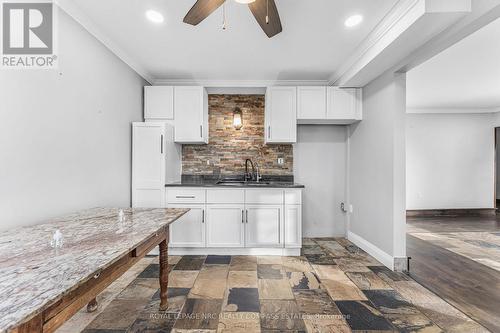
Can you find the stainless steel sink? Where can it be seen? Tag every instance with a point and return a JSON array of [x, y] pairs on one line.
[[231, 182]]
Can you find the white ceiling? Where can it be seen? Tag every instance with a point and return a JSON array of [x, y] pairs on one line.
[[314, 42], [463, 78]]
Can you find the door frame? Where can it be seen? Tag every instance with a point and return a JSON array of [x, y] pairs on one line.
[[495, 136]]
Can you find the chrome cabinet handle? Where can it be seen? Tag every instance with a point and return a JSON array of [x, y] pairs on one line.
[[161, 142], [202, 216], [242, 217], [184, 196], [268, 132], [279, 225], [247, 216], [201, 131]]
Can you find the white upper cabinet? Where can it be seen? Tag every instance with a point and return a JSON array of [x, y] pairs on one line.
[[191, 114], [344, 105], [159, 102], [311, 102], [281, 115]]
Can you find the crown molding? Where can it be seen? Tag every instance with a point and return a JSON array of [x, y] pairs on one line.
[[452, 110], [72, 9], [238, 83], [396, 15], [407, 26]]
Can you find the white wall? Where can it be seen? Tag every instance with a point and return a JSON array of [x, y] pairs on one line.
[[450, 161], [377, 170], [65, 135], [320, 164]]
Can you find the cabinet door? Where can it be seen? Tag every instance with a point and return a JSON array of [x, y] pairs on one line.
[[293, 226], [189, 229], [148, 165], [311, 103], [263, 226], [225, 225], [191, 114], [158, 102], [281, 115], [344, 103]]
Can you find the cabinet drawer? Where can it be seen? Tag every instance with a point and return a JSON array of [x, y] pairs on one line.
[[268, 196], [185, 195], [293, 197], [225, 196]]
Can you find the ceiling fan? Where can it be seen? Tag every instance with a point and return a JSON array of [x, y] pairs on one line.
[[264, 11]]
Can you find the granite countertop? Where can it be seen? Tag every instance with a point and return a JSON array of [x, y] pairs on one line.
[[34, 276], [211, 181]]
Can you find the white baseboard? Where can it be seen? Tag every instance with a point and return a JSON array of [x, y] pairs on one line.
[[180, 251], [372, 250]]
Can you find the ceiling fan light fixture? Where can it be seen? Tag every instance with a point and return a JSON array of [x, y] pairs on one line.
[[353, 20], [154, 16], [244, 1]]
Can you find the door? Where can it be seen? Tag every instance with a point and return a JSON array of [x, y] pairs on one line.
[[293, 226], [191, 115], [311, 102], [148, 165], [225, 226], [263, 226], [281, 115], [189, 229]]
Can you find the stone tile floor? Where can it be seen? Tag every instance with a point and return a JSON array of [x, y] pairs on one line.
[[333, 287]]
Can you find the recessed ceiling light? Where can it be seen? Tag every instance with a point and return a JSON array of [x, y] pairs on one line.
[[353, 21], [154, 16], [244, 1]]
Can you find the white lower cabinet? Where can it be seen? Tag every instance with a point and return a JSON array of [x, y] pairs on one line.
[[293, 226], [189, 230], [240, 221], [263, 227], [225, 226]]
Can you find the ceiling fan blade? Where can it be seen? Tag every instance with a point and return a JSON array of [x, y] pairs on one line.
[[262, 8], [200, 10]]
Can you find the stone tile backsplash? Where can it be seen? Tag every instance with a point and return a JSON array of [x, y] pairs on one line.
[[228, 148]]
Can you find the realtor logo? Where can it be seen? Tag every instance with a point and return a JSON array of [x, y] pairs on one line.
[[28, 35]]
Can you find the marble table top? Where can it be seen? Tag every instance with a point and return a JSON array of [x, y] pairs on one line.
[[33, 275]]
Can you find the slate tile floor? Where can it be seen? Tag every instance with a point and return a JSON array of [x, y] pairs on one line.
[[333, 287]]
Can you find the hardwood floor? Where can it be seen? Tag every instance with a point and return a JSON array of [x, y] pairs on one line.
[[458, 259], [453, 224]]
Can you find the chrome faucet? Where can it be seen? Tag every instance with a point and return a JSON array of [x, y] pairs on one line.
[[258, 177], [249, 176]]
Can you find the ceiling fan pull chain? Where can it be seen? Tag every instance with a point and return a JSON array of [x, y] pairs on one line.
[[267, 11], [224, 16]]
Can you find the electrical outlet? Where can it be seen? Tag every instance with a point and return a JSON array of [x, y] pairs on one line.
[[351, 209], [208, 162], [281, 161]]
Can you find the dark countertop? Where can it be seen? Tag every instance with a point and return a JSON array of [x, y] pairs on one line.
[[211, 181]]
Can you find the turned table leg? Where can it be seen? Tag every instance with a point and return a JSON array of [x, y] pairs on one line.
[[163, 274], [92, 306]]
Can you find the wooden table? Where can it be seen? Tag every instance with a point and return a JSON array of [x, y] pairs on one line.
[[41, 287]]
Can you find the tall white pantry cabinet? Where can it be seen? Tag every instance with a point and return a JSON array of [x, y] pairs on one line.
[[148, 164]]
